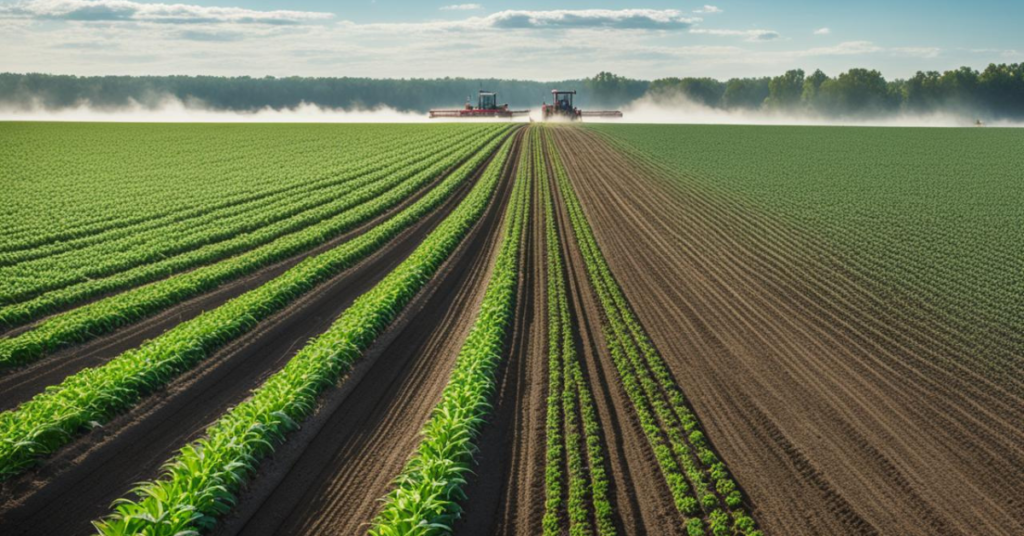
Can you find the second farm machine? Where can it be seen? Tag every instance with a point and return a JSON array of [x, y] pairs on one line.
[[562, 108]]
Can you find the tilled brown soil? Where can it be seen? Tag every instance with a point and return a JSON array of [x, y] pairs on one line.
[[829, 409], [507, 484], [330, 478], [21, 384], [79, 483], [641, 497]]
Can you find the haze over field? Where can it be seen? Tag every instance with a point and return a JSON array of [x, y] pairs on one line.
[[646, 110]]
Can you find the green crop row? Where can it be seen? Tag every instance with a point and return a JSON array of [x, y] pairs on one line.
[[75, 252], [658, 402], [67, 182], [54, 417], [65, 286], [426, 494], [108, 314], [568, 394], [200, 482]]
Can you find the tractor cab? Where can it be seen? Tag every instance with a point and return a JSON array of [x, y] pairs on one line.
[[563, 100], [487, 100]]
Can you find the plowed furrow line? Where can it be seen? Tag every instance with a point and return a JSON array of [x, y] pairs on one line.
[[642, 498], [728, 304], [986, 417], [990, 455], [773, 240], [658, 401], [724, 309], [918, 320]]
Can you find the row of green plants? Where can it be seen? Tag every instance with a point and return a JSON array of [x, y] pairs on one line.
[[178, 224], [59, 282], [65, 183], [588, 508], [108, 314], [426, 496], [54, 417], [200, 483], [703, 491]]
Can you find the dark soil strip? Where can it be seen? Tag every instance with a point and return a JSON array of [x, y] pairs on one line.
[[639, 493], [506, 489]]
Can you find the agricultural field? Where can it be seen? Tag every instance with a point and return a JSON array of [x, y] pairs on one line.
[[510, 328]]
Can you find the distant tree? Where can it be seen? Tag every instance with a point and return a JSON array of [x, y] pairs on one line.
[[607, 89], [745, 92], [961, 86], [1002, 89], [784, 91], [706, 91], [855, 91], [812, 85], [923, 91]]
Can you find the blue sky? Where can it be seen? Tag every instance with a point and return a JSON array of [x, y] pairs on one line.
[[525, 39]]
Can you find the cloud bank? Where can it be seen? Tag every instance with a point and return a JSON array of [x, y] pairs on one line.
[[623, 19], [708, 10], [131, 37], [461, 7], [126, 10]]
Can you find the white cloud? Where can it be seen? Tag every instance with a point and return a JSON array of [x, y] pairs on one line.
[[127, 10], [631, 19], [461, 7], [915, 52], [1005, 53], [708, 10], [822, 31], [751, 35], [847, 48]]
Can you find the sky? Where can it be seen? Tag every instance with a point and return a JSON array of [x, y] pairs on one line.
[[524, 39]]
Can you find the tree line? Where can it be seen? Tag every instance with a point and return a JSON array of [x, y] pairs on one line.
[[995, 92]]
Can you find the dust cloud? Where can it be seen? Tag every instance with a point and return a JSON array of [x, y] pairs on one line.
[[680, 110], [660, 110]]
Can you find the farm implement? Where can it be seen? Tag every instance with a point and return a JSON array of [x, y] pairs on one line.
[[486, 107], [562, 108]]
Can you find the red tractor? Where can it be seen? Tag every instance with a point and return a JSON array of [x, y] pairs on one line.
[[561, 107], [486, 106]]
